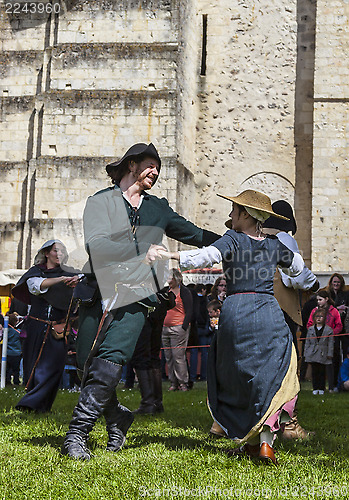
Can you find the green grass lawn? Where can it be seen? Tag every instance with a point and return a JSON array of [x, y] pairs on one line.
[[171, 455]]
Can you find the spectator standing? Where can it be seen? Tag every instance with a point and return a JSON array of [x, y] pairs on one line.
[[340, 297], [14, 351], [219, 290], [175, 333], [71, 380], [343, 375], [333, 320], [318, 350], [309, 305], [201, 325]]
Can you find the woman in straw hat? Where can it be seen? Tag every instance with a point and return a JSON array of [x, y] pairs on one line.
[[252, 375]]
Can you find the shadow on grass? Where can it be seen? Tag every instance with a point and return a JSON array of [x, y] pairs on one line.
[[184, 427], [171, 443], [324, 448]]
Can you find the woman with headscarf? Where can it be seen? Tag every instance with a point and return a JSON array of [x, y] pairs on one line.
[[47, 288], [252, 376]]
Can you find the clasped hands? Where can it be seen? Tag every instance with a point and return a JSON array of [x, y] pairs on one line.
[[159, 252]]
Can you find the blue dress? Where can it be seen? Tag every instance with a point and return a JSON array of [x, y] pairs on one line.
[[251, 353]]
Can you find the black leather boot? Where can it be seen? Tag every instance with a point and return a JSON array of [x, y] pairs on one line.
[[147, 406], [101, 381], [118, 419], [157, 389]]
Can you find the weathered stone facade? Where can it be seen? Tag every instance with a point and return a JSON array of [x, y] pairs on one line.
[[224, 89], [330, 233]]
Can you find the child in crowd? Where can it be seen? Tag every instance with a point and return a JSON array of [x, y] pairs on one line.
[[333, 320], [14, 351], [214, 310], [318, 350]]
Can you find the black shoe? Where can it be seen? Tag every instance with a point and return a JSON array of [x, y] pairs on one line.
[[101, 381], [118, 419]]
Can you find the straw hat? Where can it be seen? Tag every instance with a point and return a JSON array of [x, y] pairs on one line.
[[254, 199]]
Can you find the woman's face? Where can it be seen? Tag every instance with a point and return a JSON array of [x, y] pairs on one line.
[[221, 287], [173, 282], [236, 218], [55, 256], [335, 284], [146, 172], [322, 301]]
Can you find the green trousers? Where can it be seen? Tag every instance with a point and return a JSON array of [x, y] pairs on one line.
[[120, 339]]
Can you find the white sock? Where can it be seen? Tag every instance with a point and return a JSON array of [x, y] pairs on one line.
[[266, 436]]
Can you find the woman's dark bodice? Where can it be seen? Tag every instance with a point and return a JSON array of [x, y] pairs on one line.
[[249, 265]]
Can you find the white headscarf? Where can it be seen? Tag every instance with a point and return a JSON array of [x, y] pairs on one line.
[[257, 214]]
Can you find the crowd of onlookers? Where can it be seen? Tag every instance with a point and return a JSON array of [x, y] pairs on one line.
[[325, 335], [189, 327]]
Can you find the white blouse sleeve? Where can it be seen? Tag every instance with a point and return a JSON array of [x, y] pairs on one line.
[[33, 285], [200, 257], [296, 267], [304, 281]]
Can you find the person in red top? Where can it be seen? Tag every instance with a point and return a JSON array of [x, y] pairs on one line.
[[175, 333], [333, 320]]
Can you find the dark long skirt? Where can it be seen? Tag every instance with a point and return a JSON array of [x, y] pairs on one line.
[[45, 377], [248, 361]]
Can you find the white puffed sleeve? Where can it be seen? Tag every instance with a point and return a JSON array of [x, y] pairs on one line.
[[296, 267], [33, 285], [304, 281], [200, 257]]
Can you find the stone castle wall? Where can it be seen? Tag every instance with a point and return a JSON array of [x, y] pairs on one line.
[[330, 233], [224, 90], [245, 129], [77, 89]]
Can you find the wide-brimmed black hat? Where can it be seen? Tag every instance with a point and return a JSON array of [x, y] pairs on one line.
[[282, 207], [131, 154]]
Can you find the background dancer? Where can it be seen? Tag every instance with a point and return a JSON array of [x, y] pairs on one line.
[[47, 287]]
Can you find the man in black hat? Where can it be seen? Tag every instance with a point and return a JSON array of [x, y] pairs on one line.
[[121, 223]]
